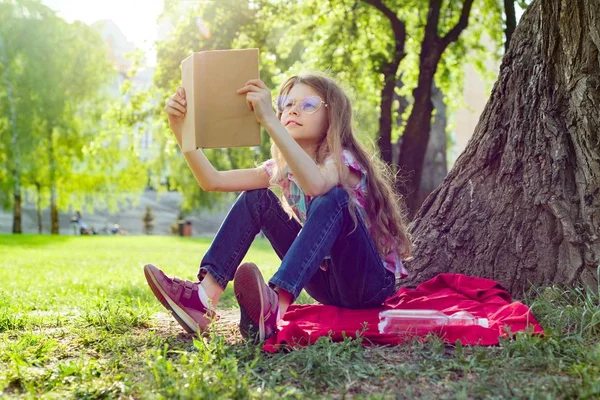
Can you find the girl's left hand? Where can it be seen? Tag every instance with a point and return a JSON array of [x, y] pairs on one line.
[[258, 97]]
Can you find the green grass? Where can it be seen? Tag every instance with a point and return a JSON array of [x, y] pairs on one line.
[[78, 321]]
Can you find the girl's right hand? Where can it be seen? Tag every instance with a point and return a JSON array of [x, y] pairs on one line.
[[176, 108]]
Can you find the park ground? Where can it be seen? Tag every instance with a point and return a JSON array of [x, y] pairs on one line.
[[77, 320]]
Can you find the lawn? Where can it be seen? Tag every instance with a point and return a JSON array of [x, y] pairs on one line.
[[77, 320]]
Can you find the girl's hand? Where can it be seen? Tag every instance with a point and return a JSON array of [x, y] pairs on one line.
[[258, 97], [176, 108]]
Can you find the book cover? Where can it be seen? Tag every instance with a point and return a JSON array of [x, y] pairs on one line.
[[218, 117]]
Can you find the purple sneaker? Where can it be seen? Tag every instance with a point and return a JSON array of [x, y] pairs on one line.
[[181, 298], [258, 303]]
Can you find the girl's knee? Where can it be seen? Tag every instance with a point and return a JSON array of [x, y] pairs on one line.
[[336, 197], [254, 194]]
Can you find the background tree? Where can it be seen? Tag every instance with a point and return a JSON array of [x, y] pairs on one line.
[[436, 39], [20, 67], [76, 68], [107, 172], [522, 203], [510, 18], [73, 145], [12, 125]]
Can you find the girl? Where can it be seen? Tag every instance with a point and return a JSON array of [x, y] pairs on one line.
[[339, 229]]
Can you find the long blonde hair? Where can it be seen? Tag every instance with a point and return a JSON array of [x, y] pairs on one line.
[[383, 201]]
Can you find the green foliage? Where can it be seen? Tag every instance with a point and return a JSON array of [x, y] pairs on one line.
[[71, 133], [523, 4], [347, 39], [352, 40]]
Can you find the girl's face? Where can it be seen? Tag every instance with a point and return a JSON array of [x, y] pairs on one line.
[[307, 128]]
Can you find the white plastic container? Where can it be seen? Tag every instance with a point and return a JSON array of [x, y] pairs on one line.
[[406, 321]]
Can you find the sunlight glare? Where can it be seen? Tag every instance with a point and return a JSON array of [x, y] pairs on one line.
[[202, 28]]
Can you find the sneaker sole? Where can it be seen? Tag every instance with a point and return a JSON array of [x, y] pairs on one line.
[[247, 288], [183, 318]]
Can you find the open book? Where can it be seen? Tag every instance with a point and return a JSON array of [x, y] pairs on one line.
[[216, 115]]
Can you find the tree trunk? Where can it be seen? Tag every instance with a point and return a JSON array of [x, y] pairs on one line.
[[389, 71], [416, 134], [54, 227], [522, 203], [435, 166], [510, 19], [17, 214], [53, 212], [403, 104], [38, 207], [384, 138]]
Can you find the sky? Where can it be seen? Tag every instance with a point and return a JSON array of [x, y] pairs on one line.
[[136, 18]]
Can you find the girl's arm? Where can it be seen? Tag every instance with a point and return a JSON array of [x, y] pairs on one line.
[[313, 180], [206, 175], [212, 180]]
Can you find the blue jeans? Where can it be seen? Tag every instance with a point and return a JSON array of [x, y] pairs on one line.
[[353, 276]]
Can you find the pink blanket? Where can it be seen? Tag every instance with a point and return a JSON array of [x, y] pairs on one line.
[[484, 298]]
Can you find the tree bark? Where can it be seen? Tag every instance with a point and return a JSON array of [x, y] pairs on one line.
[[522, 203], [389, 70], [416, 133]]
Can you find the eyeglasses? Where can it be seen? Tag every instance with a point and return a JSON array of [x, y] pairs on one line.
[[308, 104]]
